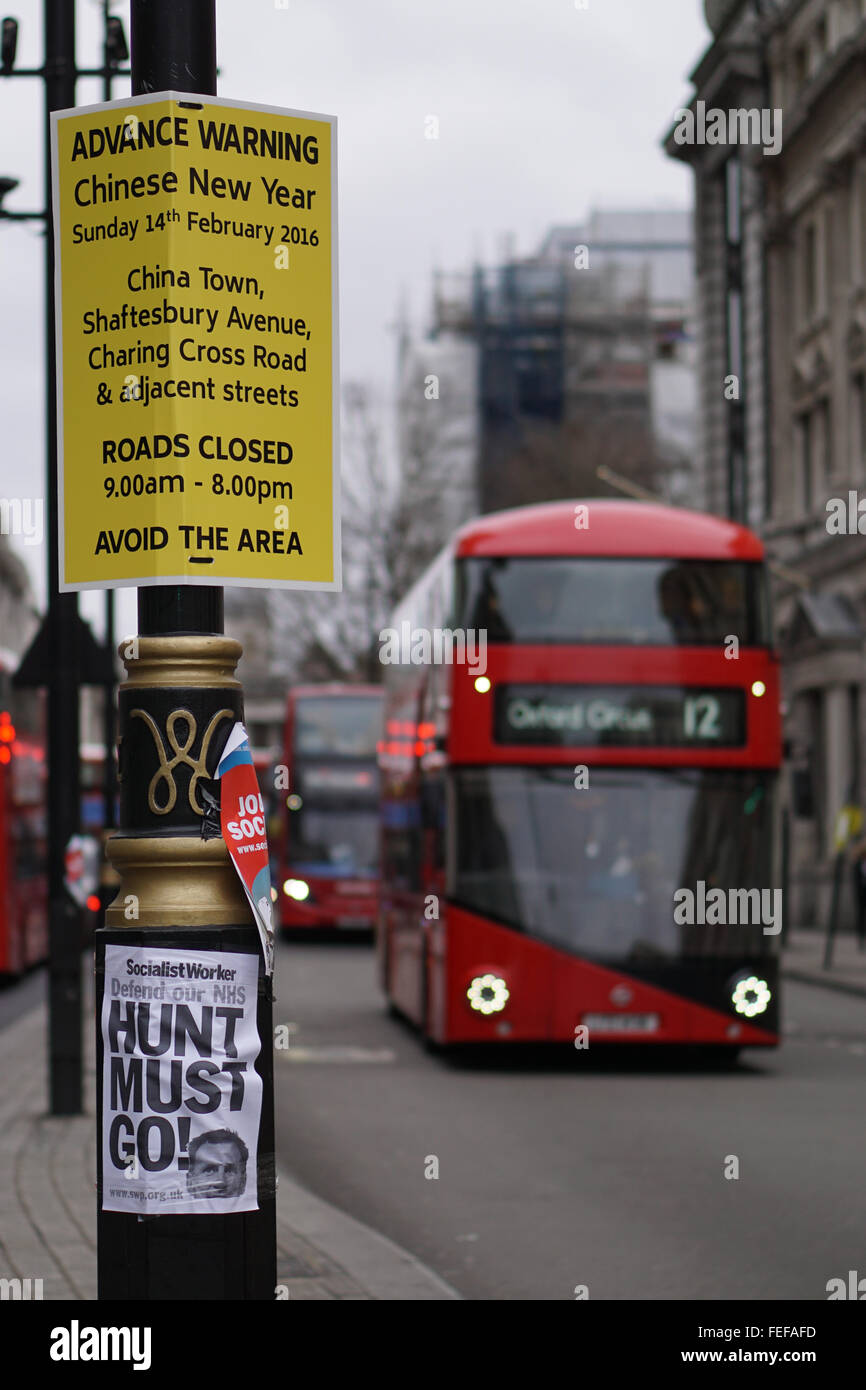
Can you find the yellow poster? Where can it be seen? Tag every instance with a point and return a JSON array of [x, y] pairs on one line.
[[197, 344]]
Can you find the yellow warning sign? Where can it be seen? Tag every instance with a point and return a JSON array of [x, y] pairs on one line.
[[196, 344]]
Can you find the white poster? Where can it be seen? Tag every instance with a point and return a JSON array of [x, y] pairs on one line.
[[181, 1099]]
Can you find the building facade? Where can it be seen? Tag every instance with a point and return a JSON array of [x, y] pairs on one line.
[[437, 420], [19, 618], [629, 323], [584, 356], [781, 263]]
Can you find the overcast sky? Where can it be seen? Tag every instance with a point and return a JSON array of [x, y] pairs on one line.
[[545, 111]]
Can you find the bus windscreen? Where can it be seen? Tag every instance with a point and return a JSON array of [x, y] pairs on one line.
[[342, 726], [605, 600], [595, 872], [335, 841]]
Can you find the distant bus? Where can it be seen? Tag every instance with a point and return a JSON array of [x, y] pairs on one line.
[[23, 827], [329, 851], [548, 819]]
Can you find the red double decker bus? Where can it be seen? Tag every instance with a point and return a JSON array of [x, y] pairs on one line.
[[329, 850], [579, 837], [23, 829]]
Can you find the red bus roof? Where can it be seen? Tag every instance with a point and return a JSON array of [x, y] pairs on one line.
[[615, 527]]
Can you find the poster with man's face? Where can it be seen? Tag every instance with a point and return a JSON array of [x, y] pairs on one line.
[[180, 1093], [217, 1165]]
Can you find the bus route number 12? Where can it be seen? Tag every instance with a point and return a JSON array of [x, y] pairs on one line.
[[701, 717]]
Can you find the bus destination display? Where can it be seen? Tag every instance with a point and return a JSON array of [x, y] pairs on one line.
[[620, 716]]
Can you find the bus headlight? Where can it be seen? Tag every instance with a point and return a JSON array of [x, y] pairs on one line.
[[488, 994], [296, 888], [751, 996]]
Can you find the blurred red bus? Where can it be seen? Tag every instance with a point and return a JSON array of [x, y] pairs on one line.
[[329, 851], [621, 743], [23, 827]]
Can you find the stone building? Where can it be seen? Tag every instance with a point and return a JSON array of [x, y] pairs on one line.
[[729, 266], [18, 615], [631, 310], [781, 265], [437, 429], [583, 355]]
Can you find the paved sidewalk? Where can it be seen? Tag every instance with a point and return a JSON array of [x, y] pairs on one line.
[[803, 959], [48, 1200]]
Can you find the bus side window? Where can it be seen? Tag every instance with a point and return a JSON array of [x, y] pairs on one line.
[[28, 850], [433, 821], [402, 859]]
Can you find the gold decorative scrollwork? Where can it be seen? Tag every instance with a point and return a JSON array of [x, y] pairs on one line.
[[181, 752]]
